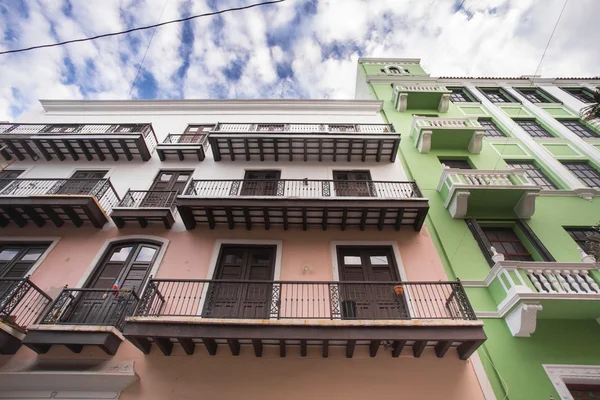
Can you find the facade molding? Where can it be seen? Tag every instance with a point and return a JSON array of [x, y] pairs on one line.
[[125, 107], [537, 149], [560, 375], [586, 148]]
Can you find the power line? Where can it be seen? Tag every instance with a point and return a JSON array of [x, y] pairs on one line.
[[147, 48], [142, 27]]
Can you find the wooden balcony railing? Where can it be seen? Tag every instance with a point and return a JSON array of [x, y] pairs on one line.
[[101, 189], [305, 300], [145, 130], [104, 307], [302, 188], [303, 128], [21, 302]]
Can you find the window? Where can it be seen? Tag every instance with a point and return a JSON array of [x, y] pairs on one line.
[[171, 181], [261, 183], [394, 70], [126, 264], [195, 133], [534, 173], [492, 129], [353, 184], [533, 128], [584, 392], [585, 172], [461, 95], [582, 94], [16, 259], [580, 235], [497, 95], [455, 163], [505, 236], [536, 95], [578, 128]]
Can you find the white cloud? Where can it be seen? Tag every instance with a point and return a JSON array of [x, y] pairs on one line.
[[320, 42]]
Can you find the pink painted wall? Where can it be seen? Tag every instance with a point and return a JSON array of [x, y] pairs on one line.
[[223, 376]]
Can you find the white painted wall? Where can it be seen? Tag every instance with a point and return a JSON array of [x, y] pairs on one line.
[[139, 175]]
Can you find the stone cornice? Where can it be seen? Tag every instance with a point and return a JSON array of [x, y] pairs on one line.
[[383, 60], [483, 81], [213, 106]]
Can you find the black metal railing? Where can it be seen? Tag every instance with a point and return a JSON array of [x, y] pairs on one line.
[[302, 188], [101, 189], [145, 130], [305, 300], [188, 138], [106, 307], [21, 302], [302, 128], [149, 199]]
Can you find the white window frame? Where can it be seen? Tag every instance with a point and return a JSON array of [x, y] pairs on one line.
[[561, 374]]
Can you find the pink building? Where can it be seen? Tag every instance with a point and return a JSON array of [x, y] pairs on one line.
[[222, 249]]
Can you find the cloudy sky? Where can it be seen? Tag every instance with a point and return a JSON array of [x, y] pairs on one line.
[[294, 49]]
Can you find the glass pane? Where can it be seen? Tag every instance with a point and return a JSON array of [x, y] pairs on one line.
[[182, 178], [120, 254], [146, 254], [8, 254], [165, 177], [379, 260], [32, 255], [233, 259], [260, 259], [193, 129], [352, 260]]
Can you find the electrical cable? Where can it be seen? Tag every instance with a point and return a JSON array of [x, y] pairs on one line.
[[147, 48], [141, 27]]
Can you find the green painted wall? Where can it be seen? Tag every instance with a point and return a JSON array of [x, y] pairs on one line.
[[516, 361]]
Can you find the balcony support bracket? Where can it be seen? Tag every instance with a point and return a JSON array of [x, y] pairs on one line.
[[522, 320]]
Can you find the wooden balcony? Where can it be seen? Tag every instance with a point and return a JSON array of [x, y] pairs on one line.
[[145, 206], [302, 202], [304, 142], [190, 145], [77, 141], [383, 316], [56, 200], [483, 194], [417, 97], [21, 304], [83, 317], [431, 133]]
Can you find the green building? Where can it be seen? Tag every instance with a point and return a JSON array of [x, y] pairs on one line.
[[513, 178]]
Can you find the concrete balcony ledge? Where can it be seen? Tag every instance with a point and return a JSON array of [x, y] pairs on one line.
[[473, 193], [426, 97], [447, 133], [527, 291]]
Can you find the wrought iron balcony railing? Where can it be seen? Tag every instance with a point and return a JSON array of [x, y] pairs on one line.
[[187, 138], [21, 302], [104, 307], [149, 199], [302, 188], [305, 300], [303, 128], [101, 189]]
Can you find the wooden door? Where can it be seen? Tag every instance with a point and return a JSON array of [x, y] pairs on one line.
[[244, 298], [174, 181], [88, 182], [125, 265], [261, 183], [353, 184], [15, 261], [369, 300]]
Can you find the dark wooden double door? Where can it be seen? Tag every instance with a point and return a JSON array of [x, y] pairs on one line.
[[374, 270], [125, 266], [166, 181], [242, 285]]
